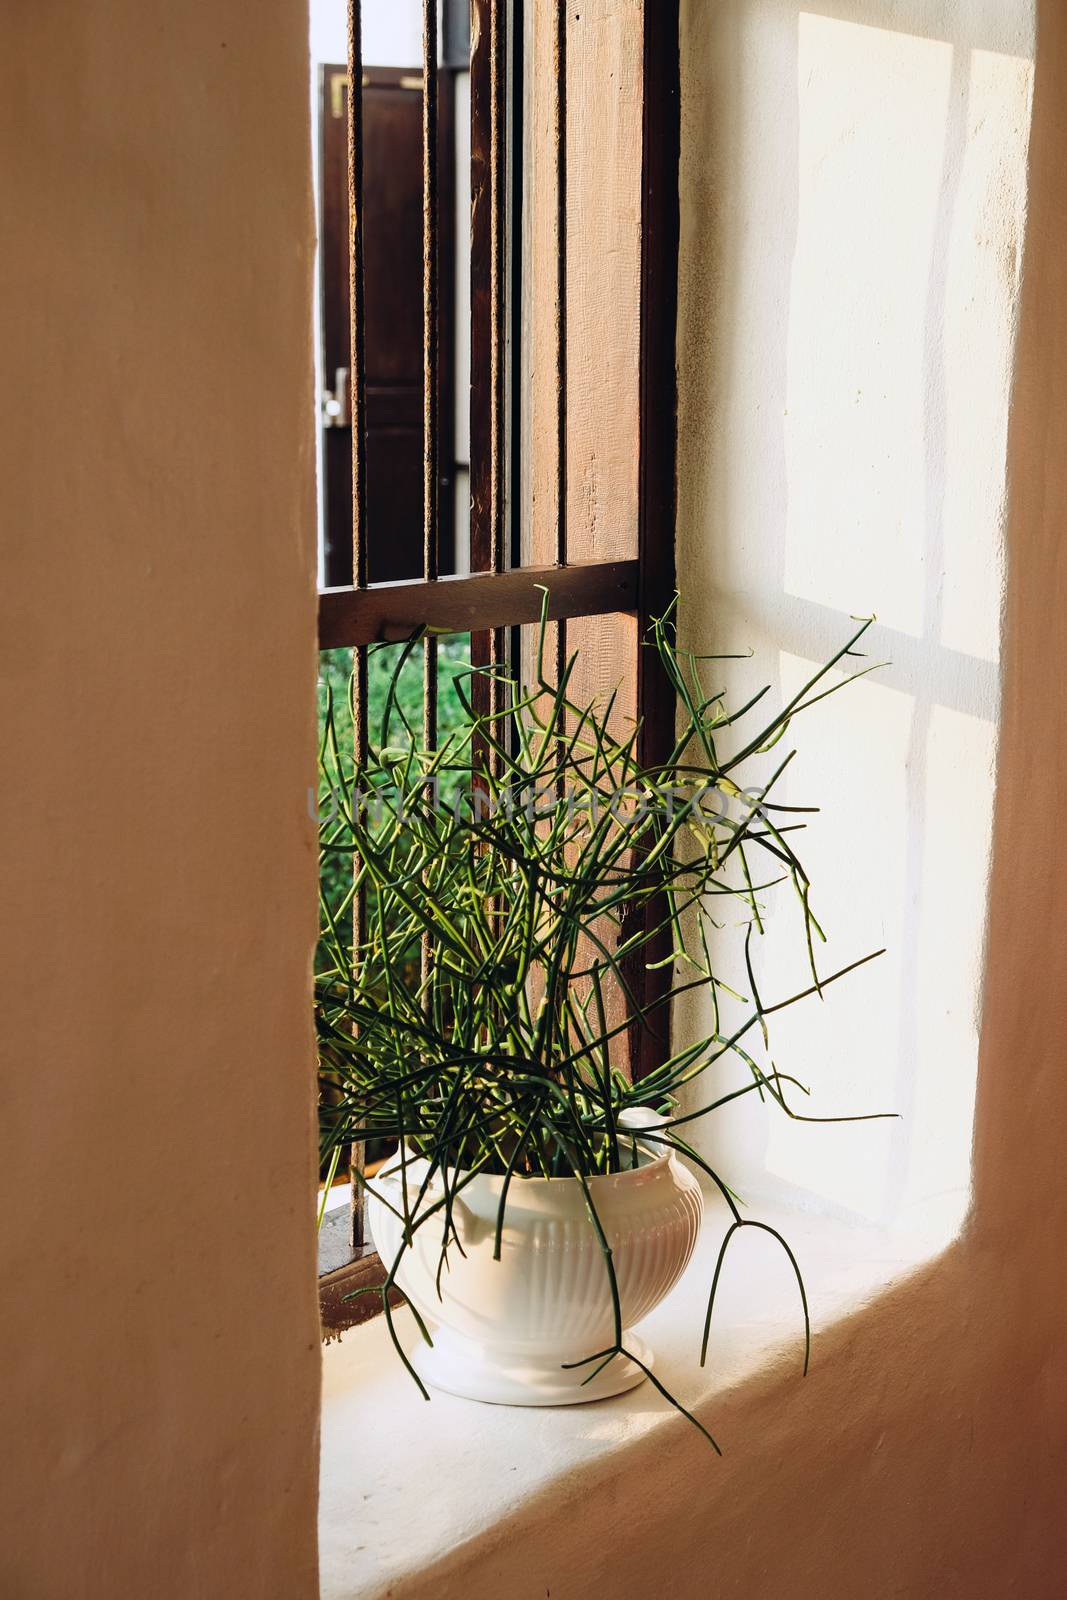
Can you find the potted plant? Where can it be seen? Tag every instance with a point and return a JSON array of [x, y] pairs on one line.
[[539, 1203]]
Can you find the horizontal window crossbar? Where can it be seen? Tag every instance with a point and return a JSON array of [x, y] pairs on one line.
[[483, 600]]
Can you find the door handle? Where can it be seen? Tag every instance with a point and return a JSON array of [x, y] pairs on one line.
[[337, 402]]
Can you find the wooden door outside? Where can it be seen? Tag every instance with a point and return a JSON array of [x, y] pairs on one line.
[[392, 233]]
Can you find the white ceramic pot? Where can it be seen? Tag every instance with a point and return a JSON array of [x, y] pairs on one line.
[[504, 1330]]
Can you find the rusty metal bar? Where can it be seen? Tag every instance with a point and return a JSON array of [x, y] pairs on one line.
[[498, 445], [480, 276], [497, 283], [430, 392], [357, 325], [430, 293], [489, 72], [560, 136], [357, 307], [489, 438]]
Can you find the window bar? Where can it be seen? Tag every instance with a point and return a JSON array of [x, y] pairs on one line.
[[515, 237], [430, 320], [481, 308], [560, 133], [359, 492], [497, 304], [357, 310], [489, 69]]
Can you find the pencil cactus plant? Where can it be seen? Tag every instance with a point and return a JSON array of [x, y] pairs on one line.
[[536, 896]]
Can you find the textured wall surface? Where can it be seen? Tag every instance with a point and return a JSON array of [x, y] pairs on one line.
[[158, 1323], [924, 1455], [160, 1358], [854, 199]]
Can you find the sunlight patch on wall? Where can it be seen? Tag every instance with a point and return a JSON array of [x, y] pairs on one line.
[[981, 280], [872, 113], [951, 884], [901, 325], [914, 816], [898, 858], [847, 1048], [853, 209]]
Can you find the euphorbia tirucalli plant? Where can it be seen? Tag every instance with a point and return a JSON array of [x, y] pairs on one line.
[[478, 1021]]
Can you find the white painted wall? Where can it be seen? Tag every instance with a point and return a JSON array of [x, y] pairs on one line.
[[853, 194]]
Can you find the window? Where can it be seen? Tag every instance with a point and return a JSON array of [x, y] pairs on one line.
[[572, 279]]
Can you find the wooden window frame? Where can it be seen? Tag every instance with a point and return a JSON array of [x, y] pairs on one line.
[[496, 596]]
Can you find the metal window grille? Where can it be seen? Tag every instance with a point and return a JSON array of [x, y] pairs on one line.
[[499, 594]]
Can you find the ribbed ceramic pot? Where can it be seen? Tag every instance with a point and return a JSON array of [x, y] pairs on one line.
[[504, 1330]]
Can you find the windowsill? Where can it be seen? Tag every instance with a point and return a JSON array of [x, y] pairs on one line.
[[404, 1482]]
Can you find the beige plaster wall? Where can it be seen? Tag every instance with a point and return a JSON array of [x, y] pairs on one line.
[[926, 1454], [159, 1355]]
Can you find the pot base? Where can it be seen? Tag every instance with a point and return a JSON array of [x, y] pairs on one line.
[[503, 1378]]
